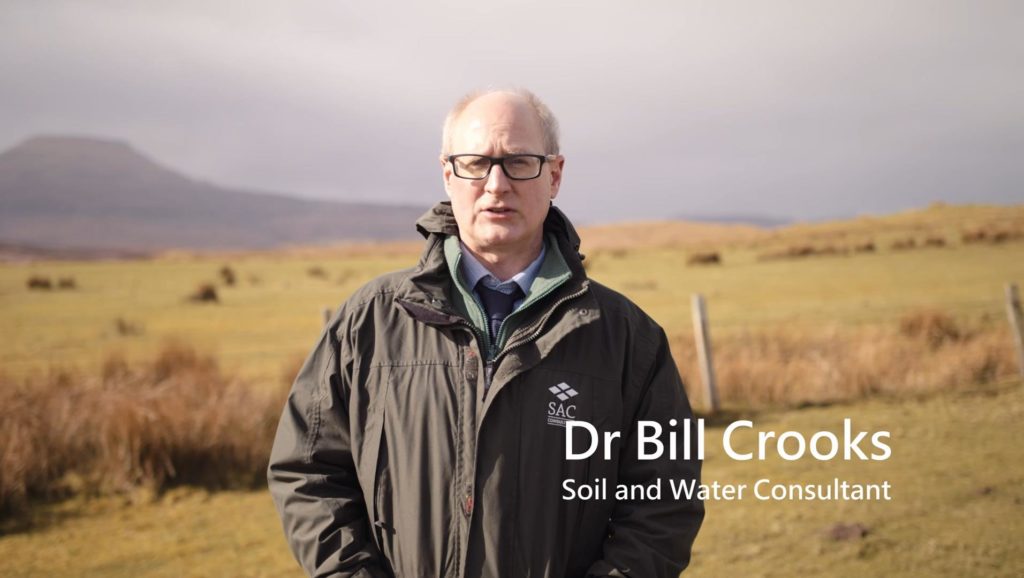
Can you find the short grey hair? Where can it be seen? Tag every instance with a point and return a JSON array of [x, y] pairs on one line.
[[548, 122]]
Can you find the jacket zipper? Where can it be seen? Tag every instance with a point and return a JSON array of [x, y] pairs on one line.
[[488, 375], [489, 367], [485, 342], [467, 501], [540, 327], [497, 338]]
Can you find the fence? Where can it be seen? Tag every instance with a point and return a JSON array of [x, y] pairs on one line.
[[704, 356]]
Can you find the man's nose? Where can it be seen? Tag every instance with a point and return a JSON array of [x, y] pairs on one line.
[[497, 181]]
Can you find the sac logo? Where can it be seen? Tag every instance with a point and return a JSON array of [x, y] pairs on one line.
[[561, 410]]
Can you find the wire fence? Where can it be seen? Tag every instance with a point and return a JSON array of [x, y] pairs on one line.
[[266, 343]]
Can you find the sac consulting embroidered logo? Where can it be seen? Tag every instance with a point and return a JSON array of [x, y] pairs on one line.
[[561, 410]]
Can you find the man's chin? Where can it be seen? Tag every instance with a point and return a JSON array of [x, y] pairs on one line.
[[497, 239]]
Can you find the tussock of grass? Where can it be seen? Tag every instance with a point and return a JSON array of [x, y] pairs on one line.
[[933, 326], [205, 293], [176, 419]]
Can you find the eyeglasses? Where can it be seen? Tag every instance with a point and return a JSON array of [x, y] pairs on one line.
[[516, 167]]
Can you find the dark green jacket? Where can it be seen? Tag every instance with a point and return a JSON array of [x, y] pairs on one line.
[[393, 459]]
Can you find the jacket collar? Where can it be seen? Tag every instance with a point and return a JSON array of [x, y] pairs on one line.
[[440, 220], [428, 284], [425, 294]]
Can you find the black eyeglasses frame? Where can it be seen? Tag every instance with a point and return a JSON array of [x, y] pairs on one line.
[[500, 160]]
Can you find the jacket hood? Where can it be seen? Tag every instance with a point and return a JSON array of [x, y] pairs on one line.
[[441, 220]]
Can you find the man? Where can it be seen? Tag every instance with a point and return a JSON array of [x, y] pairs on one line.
[[425, 435]]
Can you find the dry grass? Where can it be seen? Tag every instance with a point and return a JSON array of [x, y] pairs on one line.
[[227, 275], [799, 251], [904, 244], [993, 236], [924, 352], [39, 283], [174, 420], [43, 283], [933, 326], [204, 293], [708, 258]]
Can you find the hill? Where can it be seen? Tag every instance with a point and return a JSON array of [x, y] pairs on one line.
[[86, 193], [952, 222]]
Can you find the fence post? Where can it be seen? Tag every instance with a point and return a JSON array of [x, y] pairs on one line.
[[702, 336], [1013, 310]]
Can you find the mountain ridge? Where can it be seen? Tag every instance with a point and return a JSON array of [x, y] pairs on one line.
[[91, 193]]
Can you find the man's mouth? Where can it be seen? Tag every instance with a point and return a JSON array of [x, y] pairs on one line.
[[498, 210]]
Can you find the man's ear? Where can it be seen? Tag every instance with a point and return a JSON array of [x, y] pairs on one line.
[[556, 175], [446, 174]]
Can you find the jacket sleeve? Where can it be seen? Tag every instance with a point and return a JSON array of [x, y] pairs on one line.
[[312, 473], [653, 538]]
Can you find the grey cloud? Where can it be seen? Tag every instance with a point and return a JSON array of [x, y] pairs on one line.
[[805, 109]]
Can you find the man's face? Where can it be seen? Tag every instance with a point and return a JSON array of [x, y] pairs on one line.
[[497, 215]]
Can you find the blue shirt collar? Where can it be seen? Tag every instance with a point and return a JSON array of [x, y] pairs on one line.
[[473, 271]]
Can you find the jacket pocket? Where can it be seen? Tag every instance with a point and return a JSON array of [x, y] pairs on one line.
[[376, 444], [383, 528], [414, 425]]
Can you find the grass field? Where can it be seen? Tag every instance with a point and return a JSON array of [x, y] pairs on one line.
[[957, 510], [787, 333], [273, 313]]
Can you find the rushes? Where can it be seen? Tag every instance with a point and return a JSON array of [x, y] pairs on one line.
[[924, 352], [178, 419], [175, 420]]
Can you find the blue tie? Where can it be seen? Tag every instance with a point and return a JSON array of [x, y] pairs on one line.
[[497, 304]]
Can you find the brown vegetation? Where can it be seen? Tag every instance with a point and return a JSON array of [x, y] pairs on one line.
[[178, 419], [204, 293], [937, 242], [868, 247], [790, 366], [933, 326], [976, 236], [1004, 236], [39, 283], [841, 532], [710, 258], [993, 236], [317, 272], [799, 251], [43, 283], [227, 275], [903, 244], [174, 420]]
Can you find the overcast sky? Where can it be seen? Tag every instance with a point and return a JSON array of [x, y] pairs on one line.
[[803, 109]]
